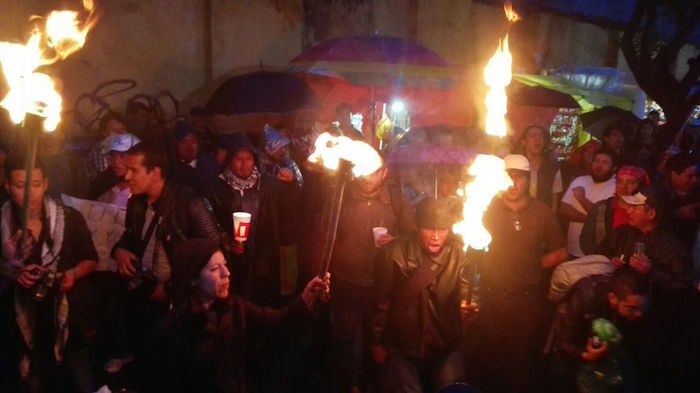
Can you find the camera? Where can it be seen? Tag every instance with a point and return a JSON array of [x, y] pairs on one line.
[[142, 281], [46, 284]]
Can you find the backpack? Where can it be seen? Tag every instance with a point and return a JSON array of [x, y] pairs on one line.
[[565, 277], [567, 274]]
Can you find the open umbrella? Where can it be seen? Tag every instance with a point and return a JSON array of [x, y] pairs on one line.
[[388, 68], [596, 121], [247, 102], [434, 157], [522, 94], [376, 61]]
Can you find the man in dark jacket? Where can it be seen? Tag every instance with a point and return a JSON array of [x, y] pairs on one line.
[[643, 246], [621, 300], [190, 166], [422, 289], [527, 241], [369, 203], [679, 197], [242, 187], [159, 216]]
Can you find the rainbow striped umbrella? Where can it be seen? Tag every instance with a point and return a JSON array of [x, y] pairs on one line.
[[376, 61]]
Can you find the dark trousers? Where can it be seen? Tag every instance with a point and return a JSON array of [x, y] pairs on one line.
[[350, 305], [405, 374], [505, 342], [73, 373]]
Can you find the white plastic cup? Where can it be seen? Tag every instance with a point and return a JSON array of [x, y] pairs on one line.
[[378, 232], [241, 226]]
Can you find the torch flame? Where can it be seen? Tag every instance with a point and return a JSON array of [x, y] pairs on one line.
[[329, 150], [490, 178], [497, 76], [34, 92], [511, 15]]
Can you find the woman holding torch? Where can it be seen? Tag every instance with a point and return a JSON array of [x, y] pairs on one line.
[[200, 346]]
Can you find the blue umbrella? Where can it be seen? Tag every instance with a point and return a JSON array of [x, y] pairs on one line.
[[262, 92]]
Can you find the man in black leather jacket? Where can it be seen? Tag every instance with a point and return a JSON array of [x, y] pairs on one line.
[[159, 216]]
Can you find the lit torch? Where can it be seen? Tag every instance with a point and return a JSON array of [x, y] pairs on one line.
[[32, 98], [489, 173], [347, 158]]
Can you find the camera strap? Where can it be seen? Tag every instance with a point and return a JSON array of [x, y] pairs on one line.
[[162, 204], [149, 232]]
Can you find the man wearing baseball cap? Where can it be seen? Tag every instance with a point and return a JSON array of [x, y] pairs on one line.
[[109, 186], [645, 247], [527, 240], [661, 254]]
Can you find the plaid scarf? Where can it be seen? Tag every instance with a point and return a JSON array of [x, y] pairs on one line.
[[241, 185], [24, 306]]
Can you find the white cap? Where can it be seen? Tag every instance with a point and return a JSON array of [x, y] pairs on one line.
[[517, 161], [120, 142], [636, 199]]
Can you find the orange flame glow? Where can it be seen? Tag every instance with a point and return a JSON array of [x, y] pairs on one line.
[[497, 75], [511, 15], [490, 178], [329, 150], [34, 92]]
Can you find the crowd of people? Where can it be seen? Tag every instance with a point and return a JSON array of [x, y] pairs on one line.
[[590, 282]]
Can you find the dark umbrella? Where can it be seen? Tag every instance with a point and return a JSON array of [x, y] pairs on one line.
[[596, 121], [540, 96], [261, 92]]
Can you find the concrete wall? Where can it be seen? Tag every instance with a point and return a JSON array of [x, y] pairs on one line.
[[169, 44]]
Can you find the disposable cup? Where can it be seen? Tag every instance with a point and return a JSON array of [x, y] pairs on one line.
[[241, 226], [378, 232]]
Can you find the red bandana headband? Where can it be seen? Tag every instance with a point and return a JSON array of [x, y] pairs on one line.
[[637, 172]]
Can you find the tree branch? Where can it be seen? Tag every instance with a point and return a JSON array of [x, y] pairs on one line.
[[628, 35], [691, 77]]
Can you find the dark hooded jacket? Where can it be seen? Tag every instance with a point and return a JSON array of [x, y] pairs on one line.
[[265, 201]]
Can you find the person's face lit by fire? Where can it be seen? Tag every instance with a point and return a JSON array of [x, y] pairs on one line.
[[533, 141], [36, 194], [685, 181], [521, 182], [138, 177], [214, 278], [640, 215], [242, 163], [117, 161], [631, 307], [115, 127], [626, 184], [432, 239], [614, 140], [601, 168], [370, 184], [188, 147]]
